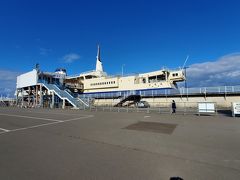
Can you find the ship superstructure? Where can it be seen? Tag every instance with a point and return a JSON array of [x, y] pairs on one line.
[[97, 81], [57, 87]]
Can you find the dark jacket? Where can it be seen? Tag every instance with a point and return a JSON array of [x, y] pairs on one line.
[[174, 105]]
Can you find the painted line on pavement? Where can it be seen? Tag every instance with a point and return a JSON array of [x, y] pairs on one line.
[[49, 112], [30, 117], [5, 130], [46, 124], [82, 117]]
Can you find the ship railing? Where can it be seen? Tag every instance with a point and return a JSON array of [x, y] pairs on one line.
[[168, 92], [72, 76]]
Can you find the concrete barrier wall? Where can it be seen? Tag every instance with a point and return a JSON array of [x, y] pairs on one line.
[[221, 101]]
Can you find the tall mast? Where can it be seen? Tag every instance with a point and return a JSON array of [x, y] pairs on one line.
[[99, 66]]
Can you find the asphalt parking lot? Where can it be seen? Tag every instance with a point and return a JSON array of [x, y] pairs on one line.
[[73, 144]]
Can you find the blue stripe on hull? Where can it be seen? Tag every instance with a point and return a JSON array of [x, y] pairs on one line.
[[145, 92], [138, 90]]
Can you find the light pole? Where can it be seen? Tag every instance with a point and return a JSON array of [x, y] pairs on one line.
[[122, 68], [185, 74]]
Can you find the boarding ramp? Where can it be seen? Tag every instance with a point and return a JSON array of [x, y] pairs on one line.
[[131, 99], [63, 94]]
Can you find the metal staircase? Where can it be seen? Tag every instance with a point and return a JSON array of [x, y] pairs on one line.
[[132, 99], [63, 94]]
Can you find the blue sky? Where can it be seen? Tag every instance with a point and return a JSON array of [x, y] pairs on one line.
[[144, 35]]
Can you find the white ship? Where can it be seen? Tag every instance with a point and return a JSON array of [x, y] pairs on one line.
[[46, 89], [97, 81]]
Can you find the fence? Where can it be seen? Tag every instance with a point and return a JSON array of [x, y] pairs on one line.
[[160, 107], [5, 101]]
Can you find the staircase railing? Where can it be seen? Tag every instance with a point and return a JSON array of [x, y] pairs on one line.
[[65, 95]]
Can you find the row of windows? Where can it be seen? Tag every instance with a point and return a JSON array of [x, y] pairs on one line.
[[103, 83], [175, 74]]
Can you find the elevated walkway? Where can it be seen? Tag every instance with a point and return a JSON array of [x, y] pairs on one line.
[[131, 99], [64, 95]]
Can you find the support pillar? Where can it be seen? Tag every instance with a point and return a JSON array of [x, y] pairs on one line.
[[63, 104], [40, 97], [52, 104], [17, 97], [29, 89], [36, 102], [22, 96]]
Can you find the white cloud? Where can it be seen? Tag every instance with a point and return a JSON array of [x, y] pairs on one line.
[[8, 82], [69, 58], [224, 71]]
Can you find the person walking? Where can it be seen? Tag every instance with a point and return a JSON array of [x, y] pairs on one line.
[[174, 107]]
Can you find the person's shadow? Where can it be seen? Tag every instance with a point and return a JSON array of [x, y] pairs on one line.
[[176, 178]]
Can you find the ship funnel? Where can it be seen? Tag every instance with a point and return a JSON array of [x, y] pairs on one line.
[[99, 66]]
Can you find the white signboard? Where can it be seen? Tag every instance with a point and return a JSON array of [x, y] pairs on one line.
[[27, 79], [206, 107], [236, 108]]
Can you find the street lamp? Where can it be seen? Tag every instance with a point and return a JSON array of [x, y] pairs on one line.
[[185, 74], [122, 68]]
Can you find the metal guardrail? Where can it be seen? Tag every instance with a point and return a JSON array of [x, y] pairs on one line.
[[160, 110], [7, 99], [183, 108]]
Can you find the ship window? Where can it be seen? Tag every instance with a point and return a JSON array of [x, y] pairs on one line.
[[144, 80], [161, 77]]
